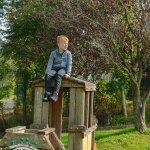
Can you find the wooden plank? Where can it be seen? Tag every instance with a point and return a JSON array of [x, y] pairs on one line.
[[72, 107], [56, 116], [71, 141], [76, 129], [79, 108], [38, 105], [71, 117], [45, 112], [85, 143], [49, 142], [19, 129], [86, 112], [82, 129], [46, 131], [90, 88], [93, 140], [89, 130], [70, 82], [91, 109], [89, 141], [59, 146], [64, 84], [78, 141], [50, 114], [71, 79], [79, 117]]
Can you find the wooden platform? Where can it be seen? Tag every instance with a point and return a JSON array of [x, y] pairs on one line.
[[81, 127], [69, 83]]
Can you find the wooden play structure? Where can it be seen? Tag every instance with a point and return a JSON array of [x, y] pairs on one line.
[[47, 119]]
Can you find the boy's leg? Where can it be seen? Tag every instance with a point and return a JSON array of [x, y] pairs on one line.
[[48, 78], [58, 79]]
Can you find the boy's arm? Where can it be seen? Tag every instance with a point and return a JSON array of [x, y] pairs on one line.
[[50, 63], [69, 64]]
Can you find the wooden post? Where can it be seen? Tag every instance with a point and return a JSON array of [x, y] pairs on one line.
[[86, 112], [56, 118], [45, 113], [91, 116], [79, 108], [91, 109], [71, 117], [79, 117], [38, 105]]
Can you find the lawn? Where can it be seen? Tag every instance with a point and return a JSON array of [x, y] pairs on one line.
[[119, 139]]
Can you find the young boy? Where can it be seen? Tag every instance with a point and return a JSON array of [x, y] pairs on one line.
[[59, 65]]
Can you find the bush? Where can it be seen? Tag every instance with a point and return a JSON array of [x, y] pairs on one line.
[[106, 106], [120, 120]]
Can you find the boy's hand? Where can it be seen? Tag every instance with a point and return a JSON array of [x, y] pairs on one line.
[[67, 76]]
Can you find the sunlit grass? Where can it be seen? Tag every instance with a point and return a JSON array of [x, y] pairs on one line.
[[119, 139]]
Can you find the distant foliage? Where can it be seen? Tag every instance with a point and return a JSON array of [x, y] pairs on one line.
[[106, 105]]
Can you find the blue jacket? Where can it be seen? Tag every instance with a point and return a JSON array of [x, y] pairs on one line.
[[57, 60]]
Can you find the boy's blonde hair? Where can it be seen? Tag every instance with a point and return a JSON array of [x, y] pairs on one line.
[[62, 37]]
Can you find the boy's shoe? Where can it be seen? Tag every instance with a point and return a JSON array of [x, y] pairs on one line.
[[54, 97], [46, 98]]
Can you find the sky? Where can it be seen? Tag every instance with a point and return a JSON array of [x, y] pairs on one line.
[[3, 22]]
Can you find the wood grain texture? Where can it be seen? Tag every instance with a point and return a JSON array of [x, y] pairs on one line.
[[38, 105]]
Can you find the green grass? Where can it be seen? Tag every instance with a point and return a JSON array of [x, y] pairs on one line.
[[64, 139], [122, 139], [119, 139]]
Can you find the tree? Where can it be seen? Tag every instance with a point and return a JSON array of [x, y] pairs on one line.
[[103, 34], [129, 49], [7, 84], [32, 36], [118, 87], [106, 104], [120, 31]]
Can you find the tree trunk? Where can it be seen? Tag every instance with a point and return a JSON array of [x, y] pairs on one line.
[[2, 114], [140, 119], [123, 99], [139, 112]]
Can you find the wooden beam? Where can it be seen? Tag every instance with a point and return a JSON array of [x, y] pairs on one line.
[[16, 129], [38, 105], [82, 130], [79, 108], [56, 116], [91, 109], [89, 130], [90, 88], [79, 117], [46, 131], [45, 112], [77, 129], [70, 82], [86, 112], [71, 117]]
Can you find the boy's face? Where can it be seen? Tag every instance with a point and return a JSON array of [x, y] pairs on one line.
[[63, 45]]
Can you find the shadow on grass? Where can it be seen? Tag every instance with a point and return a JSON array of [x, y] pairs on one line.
[[115, 133]]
